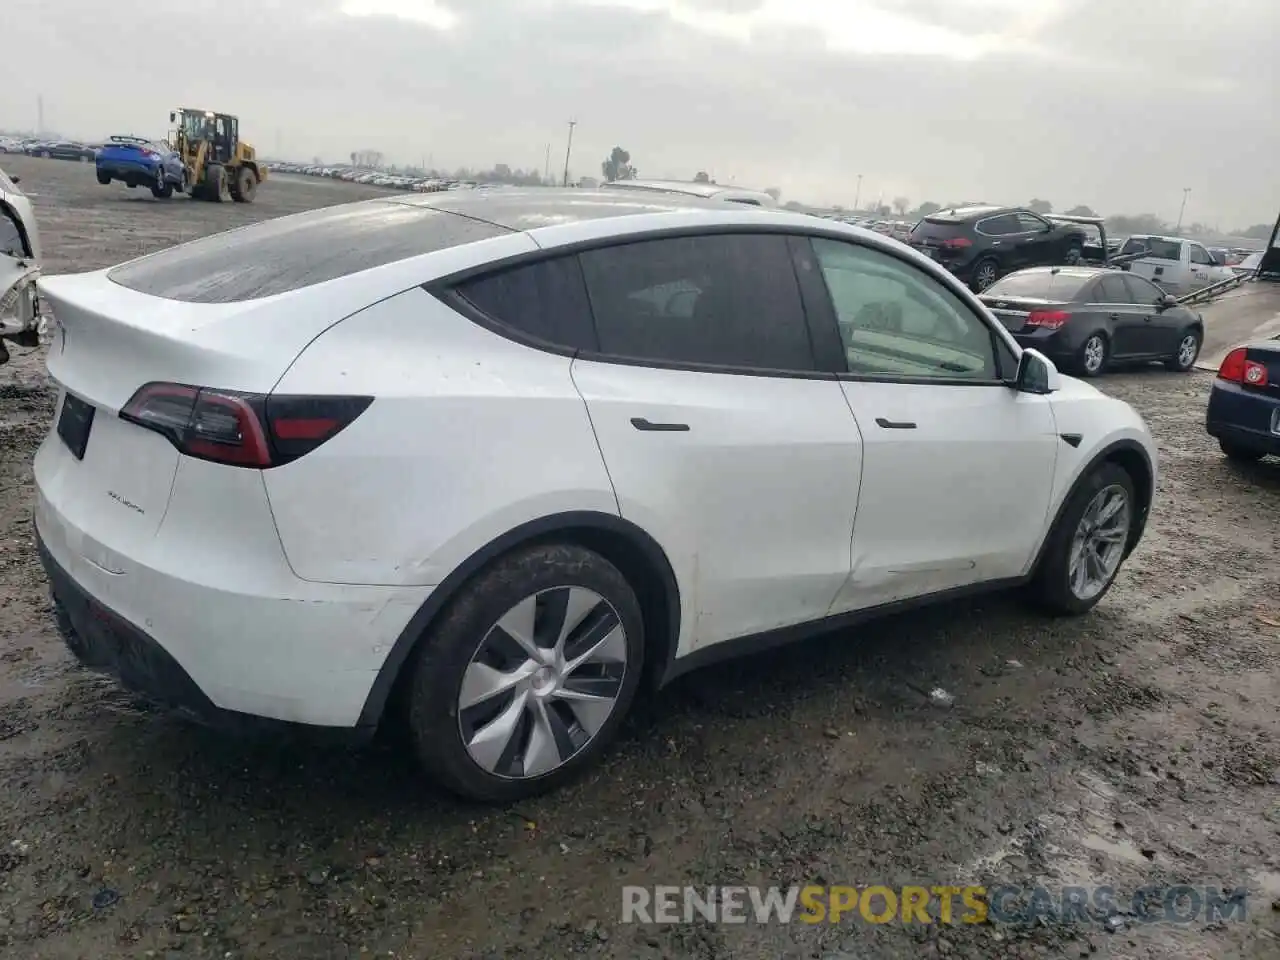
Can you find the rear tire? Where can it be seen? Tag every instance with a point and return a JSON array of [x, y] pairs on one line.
[[1239, 453], [1057, 586], [1093, 355], [536, 721], [244, 185], [1187, 353], [985, 272]]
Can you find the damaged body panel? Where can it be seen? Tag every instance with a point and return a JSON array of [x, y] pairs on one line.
[[19, 268]]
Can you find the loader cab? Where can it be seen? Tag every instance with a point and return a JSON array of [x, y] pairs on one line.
[[221, 131]]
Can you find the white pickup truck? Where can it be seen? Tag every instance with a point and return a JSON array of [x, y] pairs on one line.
[[19, 268], [1178, 266]]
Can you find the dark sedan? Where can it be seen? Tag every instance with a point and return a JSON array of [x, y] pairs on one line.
[[1244, 403], [1085, 318], [64, 150]]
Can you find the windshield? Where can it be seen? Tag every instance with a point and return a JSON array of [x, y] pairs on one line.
[[1038, 285], [195, 125]]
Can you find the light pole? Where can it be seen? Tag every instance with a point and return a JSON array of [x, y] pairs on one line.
[[1185, 192], [568, 150], [857, 194]]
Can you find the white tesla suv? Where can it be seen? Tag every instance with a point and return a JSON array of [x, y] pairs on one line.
[[503, 458]]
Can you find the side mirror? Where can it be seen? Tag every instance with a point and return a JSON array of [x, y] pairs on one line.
[[15, 179], [172, 116], [1166, 302], [1037, 374]]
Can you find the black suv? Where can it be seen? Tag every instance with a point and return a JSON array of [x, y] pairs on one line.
[[981, 244]]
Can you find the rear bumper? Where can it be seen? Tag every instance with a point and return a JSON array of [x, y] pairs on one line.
[[1058, 345], [231, 640], [1242, 416]]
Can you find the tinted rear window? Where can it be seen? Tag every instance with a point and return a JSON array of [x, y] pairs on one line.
[[1060, 287], [546, 300], [1153, 247], [928, 229], [278, 256]]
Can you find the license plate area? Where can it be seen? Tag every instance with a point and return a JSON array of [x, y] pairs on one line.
[[74, 424]]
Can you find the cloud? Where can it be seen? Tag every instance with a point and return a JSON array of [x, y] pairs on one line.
[[1115, 105]]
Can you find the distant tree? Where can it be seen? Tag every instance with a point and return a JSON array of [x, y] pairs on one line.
[[792, 205], [501, 172], [900, 205], [775, 193], [1139, 223], [1259, 231], [1081, 211], [354, 158], [702, 177], [883, 210], [927, 208], [837, 209], [1040, 206], [618, 166]]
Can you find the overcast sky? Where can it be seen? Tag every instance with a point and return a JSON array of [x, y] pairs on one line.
[[1118, 104]]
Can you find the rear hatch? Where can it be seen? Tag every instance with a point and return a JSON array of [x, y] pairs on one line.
[[127, 154], [941, 238]]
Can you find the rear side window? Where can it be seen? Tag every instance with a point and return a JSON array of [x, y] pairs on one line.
[[1154, 247], [277, 256], [545, 300], [1000, 226], [1111, 289], [726, 300]]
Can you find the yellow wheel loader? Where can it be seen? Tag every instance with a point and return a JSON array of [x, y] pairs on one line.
[[218, 163]]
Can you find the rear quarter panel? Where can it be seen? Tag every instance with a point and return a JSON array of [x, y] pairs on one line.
[[470, 435]]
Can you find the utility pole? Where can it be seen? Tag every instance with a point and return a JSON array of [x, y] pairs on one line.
[[568, 150], [1185, 192], [40, 115], [546, 170], [857, 193]]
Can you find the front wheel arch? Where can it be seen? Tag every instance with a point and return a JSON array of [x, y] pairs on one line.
[[639, 558], [1134, 460]]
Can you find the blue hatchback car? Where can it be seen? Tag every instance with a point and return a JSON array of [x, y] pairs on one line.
[[138, 162], [1244, 404]]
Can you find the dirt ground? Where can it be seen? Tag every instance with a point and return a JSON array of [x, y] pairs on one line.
[[1138, 745]]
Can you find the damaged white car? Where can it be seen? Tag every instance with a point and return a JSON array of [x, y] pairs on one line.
[[19, 267]]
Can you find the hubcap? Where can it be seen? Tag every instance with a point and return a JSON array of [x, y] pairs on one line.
[[1187, 351], [986, 276], [1098, 545], [1094, 352], [542, 683]]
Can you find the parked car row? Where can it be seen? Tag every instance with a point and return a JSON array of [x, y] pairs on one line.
[[51, 149], [379, 178]]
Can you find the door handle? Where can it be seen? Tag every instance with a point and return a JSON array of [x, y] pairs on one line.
[[894, 424], [1113, 316], [640, 423]]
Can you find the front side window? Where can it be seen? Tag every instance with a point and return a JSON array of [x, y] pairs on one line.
[[728, 300], [1111, 289], [1200, 255], [1143, 291], [898, 322], [1030, 223]]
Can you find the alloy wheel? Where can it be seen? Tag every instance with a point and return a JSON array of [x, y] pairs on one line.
[[1095, 352], [986, 276], [1187, 350], [1098, 544], [542, 683]]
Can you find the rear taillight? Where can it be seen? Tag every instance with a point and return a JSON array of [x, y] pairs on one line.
[[1049, 319], [240, 429], [956, 243], [1238, 368]]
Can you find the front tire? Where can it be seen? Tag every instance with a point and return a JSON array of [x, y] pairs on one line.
[[1087, 545], [524, 681], [215, 182], [1184, 358], [104, 178], [1092, 357], [162, 189]]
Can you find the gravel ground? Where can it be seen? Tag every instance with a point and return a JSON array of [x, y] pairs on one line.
[[1137, 745]]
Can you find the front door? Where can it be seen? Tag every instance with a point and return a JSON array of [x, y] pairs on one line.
[[720, 438], [957, 466], [1130, 322]]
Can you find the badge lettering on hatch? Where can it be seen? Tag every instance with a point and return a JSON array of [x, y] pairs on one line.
[[126, 503]]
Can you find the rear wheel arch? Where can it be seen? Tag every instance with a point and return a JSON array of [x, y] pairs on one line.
[[629, 548]]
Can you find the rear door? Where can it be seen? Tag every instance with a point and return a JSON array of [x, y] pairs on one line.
[[957, 466], [719, 436]]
